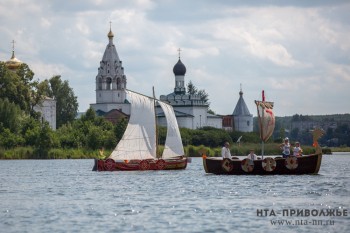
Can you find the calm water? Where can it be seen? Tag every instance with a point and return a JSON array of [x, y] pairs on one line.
[[66, 196]]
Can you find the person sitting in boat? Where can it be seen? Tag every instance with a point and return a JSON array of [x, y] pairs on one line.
[[297, 151], [285, 147], [252, 155], [225, 151]]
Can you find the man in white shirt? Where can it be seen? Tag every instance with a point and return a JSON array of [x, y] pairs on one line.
[[252, 155], [225, 151]]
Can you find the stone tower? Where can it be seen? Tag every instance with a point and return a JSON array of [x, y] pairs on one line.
[[242, 119], [111, 81]]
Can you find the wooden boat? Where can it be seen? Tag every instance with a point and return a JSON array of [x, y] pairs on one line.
[[137, 150], [306, 164]]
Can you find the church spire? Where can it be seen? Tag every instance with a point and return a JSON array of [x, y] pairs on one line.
[[110, 33], [13, 49], [179, 72], [241, 108], [13, 63], [179, 68]]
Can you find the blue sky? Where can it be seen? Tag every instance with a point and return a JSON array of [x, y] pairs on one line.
[[297, 51]]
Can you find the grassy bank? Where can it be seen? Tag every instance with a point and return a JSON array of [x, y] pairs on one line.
[[30, 153], [340, 149], [191, 151]]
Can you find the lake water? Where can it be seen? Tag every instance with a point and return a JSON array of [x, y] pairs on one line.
[[66, 196]]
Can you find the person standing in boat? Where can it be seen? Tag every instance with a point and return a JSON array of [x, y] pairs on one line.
[[225, 151], [285, 147], [297, 151]]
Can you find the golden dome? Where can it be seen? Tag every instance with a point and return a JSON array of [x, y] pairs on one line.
[[13, 63], [110, 34]]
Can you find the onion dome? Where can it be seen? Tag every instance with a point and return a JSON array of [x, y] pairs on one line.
[[13, 63], [110, 34], [179, 68]]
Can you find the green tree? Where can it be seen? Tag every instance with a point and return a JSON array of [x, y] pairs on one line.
[[204, 96], [66, 101], [10, 115], [294, 134], [44, 142], [192, 90], [9, 139], [119, 129], [30, 129], [18, 86], [70, 136]]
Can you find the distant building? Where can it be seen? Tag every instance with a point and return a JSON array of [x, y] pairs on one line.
[[47, 108], [227, 122], [190, 111], [111, 82], [113, 116], [242, 119]]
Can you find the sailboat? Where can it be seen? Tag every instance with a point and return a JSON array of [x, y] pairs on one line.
[[137, 149], [291, 165]]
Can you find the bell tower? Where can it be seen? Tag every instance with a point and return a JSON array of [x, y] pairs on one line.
[[110, 80]]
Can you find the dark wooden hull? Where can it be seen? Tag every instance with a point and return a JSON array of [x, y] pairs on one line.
[[307, 164], [140, 165]]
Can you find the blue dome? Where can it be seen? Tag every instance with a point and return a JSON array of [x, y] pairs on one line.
[[179, 68]]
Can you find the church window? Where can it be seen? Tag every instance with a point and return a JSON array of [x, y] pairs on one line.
[[248, 123], [99, 84], [118, 84], [109, 81]]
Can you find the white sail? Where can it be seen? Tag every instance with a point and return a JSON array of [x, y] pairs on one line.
[[173, 145], [139, 139]]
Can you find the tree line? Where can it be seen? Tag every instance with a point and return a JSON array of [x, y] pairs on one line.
[[22, 126]]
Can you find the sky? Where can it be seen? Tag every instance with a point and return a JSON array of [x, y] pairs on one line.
[[296, 51]]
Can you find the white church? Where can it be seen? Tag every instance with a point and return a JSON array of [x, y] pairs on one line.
[[191, 112]]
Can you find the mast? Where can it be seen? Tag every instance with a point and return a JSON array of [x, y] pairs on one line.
[[262, 123], [155, 121], [266, 119]]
